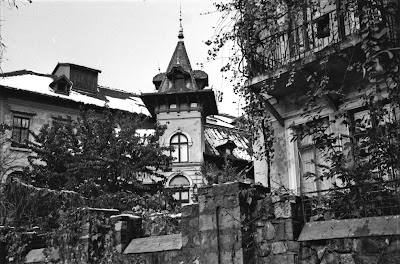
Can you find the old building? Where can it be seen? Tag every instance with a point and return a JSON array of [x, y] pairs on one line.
[[316, 42], [29, 100], [183, 104]]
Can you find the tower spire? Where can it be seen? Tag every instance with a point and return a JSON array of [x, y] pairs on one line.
[[180, 35]]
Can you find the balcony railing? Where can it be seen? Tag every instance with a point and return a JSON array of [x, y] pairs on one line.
[[366, 200], [312, 36]]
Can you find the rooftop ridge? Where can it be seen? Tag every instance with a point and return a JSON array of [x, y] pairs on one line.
[[117, 90], [26, 72]]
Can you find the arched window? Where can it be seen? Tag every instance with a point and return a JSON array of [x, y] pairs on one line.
[[179, 181], [181, 148], [180, 185]]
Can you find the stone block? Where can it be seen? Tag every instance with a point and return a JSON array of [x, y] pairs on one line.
[[202, 204], [264, 249], [231, 256], [230, 239], [390, 258], [330, 258], [342, 245], [286, 206], [281, 259], [283, 210], [305, 253], [211, 257], [369, 246], [269, 231], [394, 246], [346, 258], [321, 252], [366, 259], [207, 222], [194, 223], [259, 223], [190, 210], [258, 235], [293, 246], [229, 218], [278, 247]]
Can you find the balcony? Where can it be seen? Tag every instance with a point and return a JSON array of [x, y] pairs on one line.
[[306, 43]]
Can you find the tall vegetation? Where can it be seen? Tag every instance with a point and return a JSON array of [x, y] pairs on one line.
[[96, 160]]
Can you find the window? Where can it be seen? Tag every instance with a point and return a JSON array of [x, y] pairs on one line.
[[313, 159], [20, 131], [181, 148], [364, 127], [180, 186]]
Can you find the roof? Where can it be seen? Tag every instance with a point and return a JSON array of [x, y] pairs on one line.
[[74, 65], [219, 129], [154, 244], [180, 58], [39, 83]]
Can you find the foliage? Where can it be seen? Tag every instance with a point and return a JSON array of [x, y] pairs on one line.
[[95, 154], [76, 165], [260, 28], [215, 174]]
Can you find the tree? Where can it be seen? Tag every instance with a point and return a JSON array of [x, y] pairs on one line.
[[96, 154], [93, 161]]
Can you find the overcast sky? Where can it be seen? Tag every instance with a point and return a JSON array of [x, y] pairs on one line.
[[128, 40]]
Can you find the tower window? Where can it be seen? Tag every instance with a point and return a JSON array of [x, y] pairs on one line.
[[180, 185], [181, 148]]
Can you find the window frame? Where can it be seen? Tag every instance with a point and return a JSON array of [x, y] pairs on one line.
[[314, 147], [177, 147], [21, 141], [180, 189]]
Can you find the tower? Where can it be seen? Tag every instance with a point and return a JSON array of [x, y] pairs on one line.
[[182, 103]]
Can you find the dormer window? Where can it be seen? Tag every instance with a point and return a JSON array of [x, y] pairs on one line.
[[225, 147], [62, 88], [61, 85]]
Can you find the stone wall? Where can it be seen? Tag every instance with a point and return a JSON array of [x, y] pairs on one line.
[[365, 250], [212, 230], [277, 229]]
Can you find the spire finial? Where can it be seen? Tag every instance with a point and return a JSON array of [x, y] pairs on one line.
[[180, 35]]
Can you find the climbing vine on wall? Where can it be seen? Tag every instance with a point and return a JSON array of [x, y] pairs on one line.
[[255, 29]]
